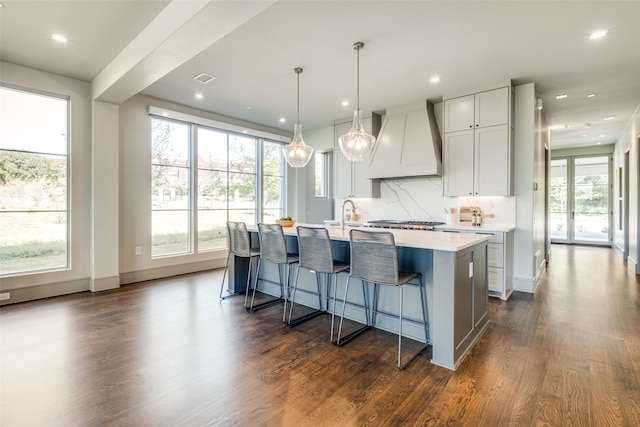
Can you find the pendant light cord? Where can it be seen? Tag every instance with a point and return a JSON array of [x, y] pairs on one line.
[[357, 47], [298, 71]]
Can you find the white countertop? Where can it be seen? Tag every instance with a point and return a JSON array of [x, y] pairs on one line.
[[450, 242], [484, 227]]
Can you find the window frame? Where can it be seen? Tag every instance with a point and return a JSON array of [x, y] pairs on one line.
[[67, 179], [260, 138]]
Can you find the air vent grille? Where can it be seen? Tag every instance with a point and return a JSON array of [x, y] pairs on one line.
[[204, 78]]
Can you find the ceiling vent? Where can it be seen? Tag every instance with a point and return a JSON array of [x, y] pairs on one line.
[[204, 78]]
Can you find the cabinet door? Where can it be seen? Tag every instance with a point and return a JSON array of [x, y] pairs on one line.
[[458, 114], [495, 279], [342, 176], [492, 107], [480, 300], [494, 255], [458, 163], [463, 302], [492, 156]]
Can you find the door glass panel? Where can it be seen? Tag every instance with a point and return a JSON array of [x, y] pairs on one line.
[[558, 197], [591, 194]]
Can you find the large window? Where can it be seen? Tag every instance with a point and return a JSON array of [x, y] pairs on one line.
[[234, 177], [33, 182]]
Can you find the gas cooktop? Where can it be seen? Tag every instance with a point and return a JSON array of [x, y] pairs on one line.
[[402, 224]]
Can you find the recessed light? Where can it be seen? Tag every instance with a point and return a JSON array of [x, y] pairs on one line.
[[435, 79], [59, 38], [282, 120], [602, 136], [345, 103], [249, 107], [609, 118], [562, 96], [598, 143], [199, 96], [598, 35], [591, 95]]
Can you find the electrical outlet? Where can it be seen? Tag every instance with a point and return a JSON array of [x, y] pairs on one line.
[[5, 296], [138, 250]]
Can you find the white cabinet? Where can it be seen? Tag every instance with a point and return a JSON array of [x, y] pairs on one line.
[[499, 263], [350, 178], [478, 145]]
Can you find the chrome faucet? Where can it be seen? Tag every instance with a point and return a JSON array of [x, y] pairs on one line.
[[353, 210]]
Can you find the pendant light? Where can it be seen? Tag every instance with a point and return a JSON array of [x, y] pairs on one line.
[[357, 143], [297, 153]]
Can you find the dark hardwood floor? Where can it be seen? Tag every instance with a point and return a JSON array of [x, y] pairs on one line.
[[169, 353]]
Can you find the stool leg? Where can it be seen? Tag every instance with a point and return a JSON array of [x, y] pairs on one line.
[[344, 305], [400, 327], [255, 284], [293, 295], [226, 267], [335, 292], [319, 285], [425, 311]]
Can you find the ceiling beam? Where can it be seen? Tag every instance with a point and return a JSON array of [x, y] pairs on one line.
[[181, 31]]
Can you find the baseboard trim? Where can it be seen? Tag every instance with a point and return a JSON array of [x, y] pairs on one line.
[[521, 284], [169, 271], [47, 291], [632, 265], [105, 283]]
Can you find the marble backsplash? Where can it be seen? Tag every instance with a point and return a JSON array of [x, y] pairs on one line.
[[421, 199]]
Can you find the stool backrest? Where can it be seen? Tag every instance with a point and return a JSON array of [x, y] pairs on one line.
[[239, 241], [374, 257], [314, 249], [273, 246]]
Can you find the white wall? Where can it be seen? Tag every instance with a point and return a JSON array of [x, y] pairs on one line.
[[77, 277], [629, 140], [529, 238]]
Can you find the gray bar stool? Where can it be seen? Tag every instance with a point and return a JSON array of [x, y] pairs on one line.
[[374, 258], [316, 255], [239, 244], [273, 248]]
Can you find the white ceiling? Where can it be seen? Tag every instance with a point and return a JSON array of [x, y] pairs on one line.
[[156, 47]]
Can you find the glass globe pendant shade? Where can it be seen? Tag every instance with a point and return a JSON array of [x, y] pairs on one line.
[[357, 144], [297, 153]]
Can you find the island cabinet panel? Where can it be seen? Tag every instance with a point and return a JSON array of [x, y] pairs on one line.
[[457, 330], [463, 302]]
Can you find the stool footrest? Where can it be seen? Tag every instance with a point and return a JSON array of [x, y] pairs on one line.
[[352, 335], [304, 318], [265, 304], [413, 357]]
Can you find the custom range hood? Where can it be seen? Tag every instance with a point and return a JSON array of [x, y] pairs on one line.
[[408, 144]]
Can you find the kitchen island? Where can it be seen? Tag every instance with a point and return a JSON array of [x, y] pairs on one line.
[[454, 270]]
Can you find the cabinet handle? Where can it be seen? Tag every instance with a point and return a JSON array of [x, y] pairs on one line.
[[471, 126]]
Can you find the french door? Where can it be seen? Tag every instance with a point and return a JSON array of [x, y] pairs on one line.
[[580, 200]]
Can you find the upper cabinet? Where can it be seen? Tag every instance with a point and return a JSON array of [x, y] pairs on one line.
[[350, 178], [489, 108], [478, 144]]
